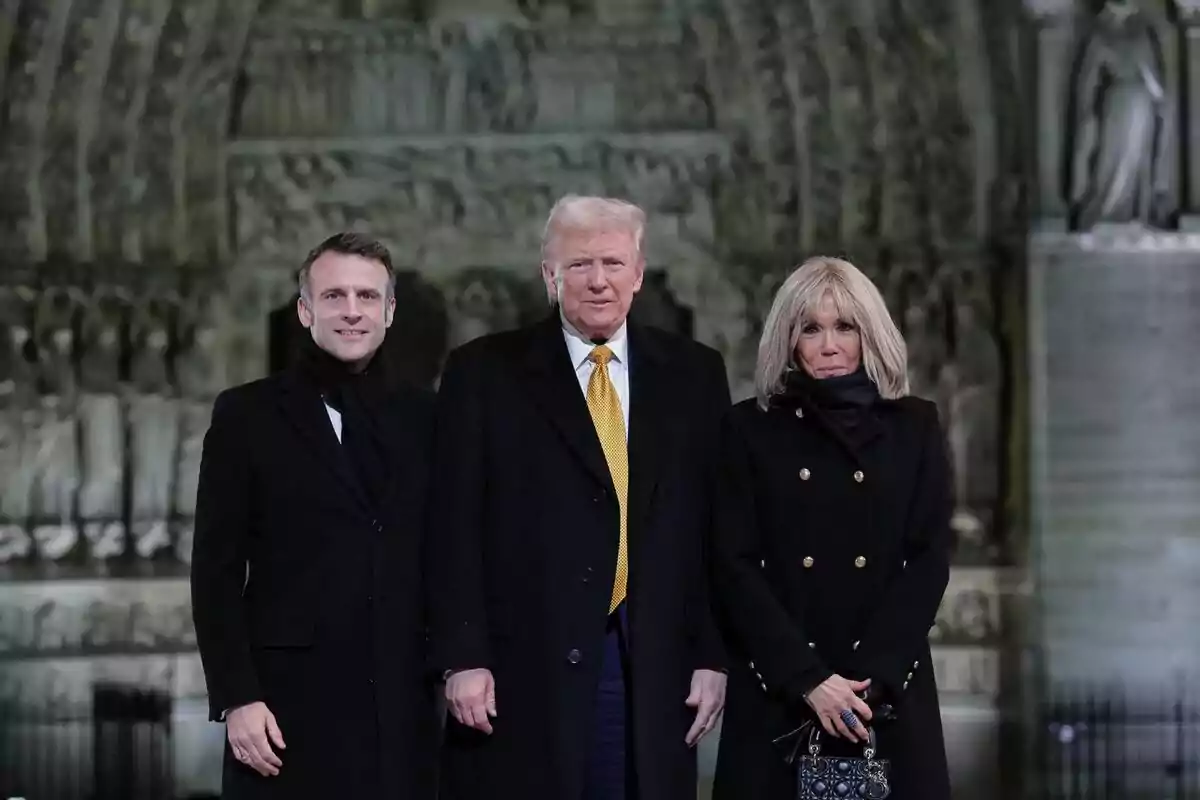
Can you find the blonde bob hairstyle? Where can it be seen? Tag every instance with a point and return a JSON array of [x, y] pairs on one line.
[[858, 301]]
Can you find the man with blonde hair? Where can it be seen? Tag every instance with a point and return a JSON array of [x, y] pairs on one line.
[[570, 613]]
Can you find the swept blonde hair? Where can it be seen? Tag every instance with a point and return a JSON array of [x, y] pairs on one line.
[[858, 301], [573, 213]]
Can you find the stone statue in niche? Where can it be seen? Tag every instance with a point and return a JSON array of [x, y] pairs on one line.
[[15, 486], [927, 353], [972, 384], [55, 444], [481, 302], [17, 393], [102, 427], [153, 428], [199, 375], [655, 305], [500, 94], [1120, 165]]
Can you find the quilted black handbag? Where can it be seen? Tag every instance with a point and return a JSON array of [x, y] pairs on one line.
[[820, 777]]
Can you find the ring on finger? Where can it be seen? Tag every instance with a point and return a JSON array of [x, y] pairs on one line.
[[849, 718]]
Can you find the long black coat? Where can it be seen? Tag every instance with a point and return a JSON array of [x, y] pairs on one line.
[[524, 538], [330, 629], [830, 555]]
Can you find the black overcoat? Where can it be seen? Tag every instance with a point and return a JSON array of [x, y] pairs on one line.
[[524, 536], [830, 554], [310, 598]]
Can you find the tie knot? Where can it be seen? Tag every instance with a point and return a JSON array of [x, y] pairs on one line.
[[600, 355]]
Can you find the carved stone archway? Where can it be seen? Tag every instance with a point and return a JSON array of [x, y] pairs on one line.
[[224, 137]]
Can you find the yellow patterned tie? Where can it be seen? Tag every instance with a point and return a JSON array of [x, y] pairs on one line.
[[609, 420]]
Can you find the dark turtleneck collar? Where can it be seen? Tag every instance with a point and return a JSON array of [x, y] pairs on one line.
[[845, 404], [355, 390], [854, 391], [332, 377]]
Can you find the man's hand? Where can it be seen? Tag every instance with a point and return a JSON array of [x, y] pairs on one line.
[[471, 695], [248, 728], [708, 698]]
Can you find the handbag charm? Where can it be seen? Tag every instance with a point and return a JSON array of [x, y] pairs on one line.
[[820, 777]]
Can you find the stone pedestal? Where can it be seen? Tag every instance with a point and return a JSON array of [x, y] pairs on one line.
[[1115, 425]]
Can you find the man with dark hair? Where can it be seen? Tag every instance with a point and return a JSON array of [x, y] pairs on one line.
[[306, 580]]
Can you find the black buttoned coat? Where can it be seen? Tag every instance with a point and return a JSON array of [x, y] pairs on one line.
[[525, 528], [308, 597], [830, 555]]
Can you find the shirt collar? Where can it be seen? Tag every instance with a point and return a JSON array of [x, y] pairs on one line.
[[580, 347]]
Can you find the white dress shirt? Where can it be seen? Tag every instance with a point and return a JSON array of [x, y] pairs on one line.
[[335, 418], [618, 367]]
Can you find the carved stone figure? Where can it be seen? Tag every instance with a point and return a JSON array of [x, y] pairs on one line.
[[15, 543], [17, 468], [153, 427], [199, 375], [973, 391], [54, 446], [102, 429], [1120, 165], [16, 461], [55, 465], [481, 303]]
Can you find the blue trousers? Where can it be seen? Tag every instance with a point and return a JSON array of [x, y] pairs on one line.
[[610, 773]]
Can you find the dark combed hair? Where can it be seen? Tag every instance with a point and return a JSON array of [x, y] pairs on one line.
[[350, 244]]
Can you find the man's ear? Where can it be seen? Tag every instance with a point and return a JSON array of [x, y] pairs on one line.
[[304, 312]]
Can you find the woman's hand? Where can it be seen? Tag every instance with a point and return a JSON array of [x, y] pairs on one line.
[[835, 696]]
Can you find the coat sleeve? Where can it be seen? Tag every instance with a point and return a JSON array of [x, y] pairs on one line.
[[219, 558], [710, 648], [898, 631], [756, 620], [458, 615]]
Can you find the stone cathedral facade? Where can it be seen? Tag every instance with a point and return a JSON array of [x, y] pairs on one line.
[[165, 165]]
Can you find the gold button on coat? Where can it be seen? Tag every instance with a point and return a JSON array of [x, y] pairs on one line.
[[805, 474], [860, 562], [858, 476], [808, 561]]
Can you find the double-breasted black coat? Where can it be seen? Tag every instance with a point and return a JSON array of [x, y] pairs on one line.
[[310, 598], [831, 555], [525, 527]]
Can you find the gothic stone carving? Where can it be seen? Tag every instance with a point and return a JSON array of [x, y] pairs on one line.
[[70, 400], [1122, 116], [455, 203], [117, 112], [309, 78]]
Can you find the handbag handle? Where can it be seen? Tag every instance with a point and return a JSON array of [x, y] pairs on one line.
[[870, 748]]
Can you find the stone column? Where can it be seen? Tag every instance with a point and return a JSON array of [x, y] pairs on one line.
[[1052, 23], [1116, 454], [1189, 21]]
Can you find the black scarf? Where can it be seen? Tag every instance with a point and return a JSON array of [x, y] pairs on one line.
[[845, 400], [356, 392]]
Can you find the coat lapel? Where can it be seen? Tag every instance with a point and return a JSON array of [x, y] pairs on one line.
[[555, 387], [388, 414], [302, 407], [649, 414]]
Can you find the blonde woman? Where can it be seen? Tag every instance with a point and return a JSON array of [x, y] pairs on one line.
[[831, 547]]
